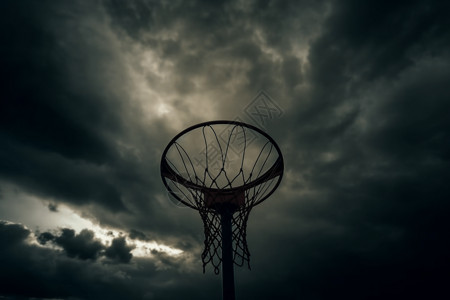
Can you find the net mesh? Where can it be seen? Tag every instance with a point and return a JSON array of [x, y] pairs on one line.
[[213, 239], [232, 168]]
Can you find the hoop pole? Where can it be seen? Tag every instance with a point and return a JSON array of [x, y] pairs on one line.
[[227, 256]]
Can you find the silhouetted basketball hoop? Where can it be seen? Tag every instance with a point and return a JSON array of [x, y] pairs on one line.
[[222, 169]]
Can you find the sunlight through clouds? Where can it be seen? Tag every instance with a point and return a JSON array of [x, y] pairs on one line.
[[38, 216]]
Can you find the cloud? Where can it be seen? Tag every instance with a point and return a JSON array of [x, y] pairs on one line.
[[85, 245], [53, 207], [52, 123], [94, 91], [45, 237], [12, 234], [82, 245], [119, 250], [136, 234], [31, 271]]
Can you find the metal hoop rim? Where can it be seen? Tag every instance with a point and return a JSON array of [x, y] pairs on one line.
[[280, 159]]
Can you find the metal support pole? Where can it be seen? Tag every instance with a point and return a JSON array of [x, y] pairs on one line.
[[227, 256]]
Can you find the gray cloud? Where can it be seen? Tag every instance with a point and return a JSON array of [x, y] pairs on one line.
[[82, 245], [136, 234], [85, 245], [29, 271], [119, 250], [45, 237], [93, 92], [53, 207]]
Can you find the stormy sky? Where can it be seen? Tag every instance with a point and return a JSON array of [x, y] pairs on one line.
[[92, 92]]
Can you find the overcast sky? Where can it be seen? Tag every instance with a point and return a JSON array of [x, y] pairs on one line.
[[92, 92]]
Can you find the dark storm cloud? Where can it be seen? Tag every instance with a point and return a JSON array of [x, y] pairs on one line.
[[119, 250], [246, 45], [82, 245], [29, 271], [85, 245], [361, 212], [68, 129], [366, 218], [40, 108], [32, 272], [12, 234], [45, 237], [52, 124]]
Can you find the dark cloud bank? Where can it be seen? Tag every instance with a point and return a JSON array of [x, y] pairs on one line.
[[29, 271], [362, 211], [84, 245]]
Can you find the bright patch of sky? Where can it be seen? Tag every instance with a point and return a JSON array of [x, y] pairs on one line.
[[34, 213]]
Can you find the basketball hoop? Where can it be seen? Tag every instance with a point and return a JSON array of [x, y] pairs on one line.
[[222, 169]]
